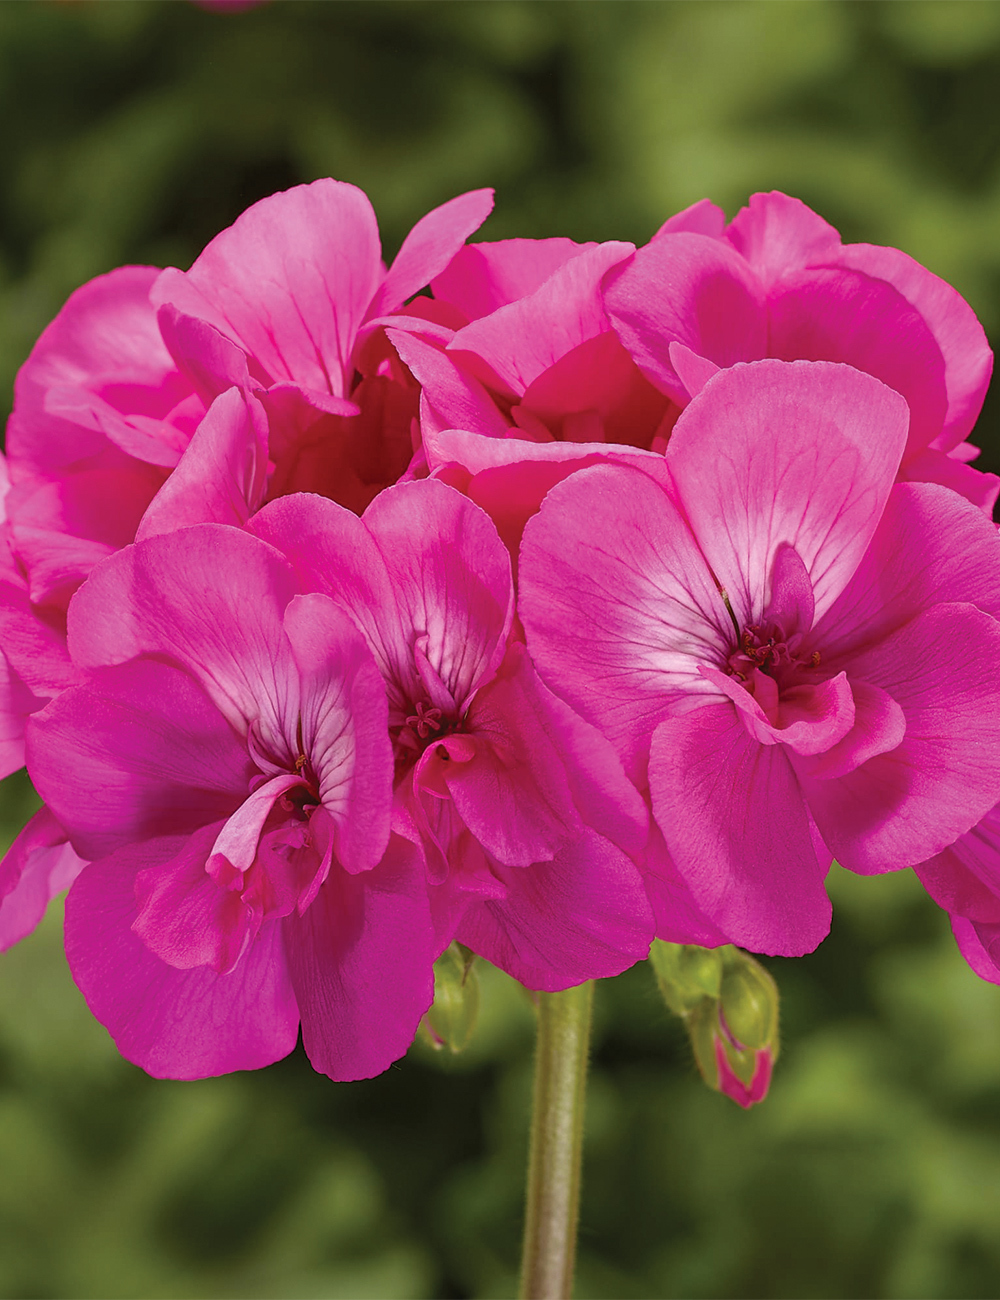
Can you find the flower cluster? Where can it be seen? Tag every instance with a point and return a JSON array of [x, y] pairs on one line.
[[543, 596]]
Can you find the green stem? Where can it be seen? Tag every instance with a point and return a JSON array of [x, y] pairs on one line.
[[556, 1143]]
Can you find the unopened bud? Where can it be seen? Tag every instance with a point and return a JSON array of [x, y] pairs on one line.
[[732, 1023], [452, 1016], [749, 1001], [686, 973]]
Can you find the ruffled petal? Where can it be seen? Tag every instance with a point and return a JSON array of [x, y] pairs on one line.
[[222, 476], [209, 597], [361, 961], [802, 454], [138, 752], [290, 281], [686, 288], [518, 342], [584, 915], [904, 806], [619, 605], [968, 360], [777, 234], [482, 277], [175, 1024], [735, 823], [430, 247], [37, 866]]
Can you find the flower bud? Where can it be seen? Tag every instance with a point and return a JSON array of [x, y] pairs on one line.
[[686, 973], [749, 1001], [729, 1005], [452, 1016]]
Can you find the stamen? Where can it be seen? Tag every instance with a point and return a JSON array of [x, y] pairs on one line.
[[425, 720]]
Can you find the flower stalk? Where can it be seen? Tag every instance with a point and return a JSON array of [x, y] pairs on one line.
[[554, 1162]]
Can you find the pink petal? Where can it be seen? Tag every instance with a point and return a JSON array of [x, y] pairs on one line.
[[801, 453], [597, 379], [584, 915], [61, 530], [33, 640], [186, 917], [833, 314], [430, 247], [344, 727], [968, 360], [607, 801], [482, 277], [619, 631], [692, 289], [210, 361], [902, 807], [332, 551], [361, 960], [978, 944], [703, 218], [450, 575], [930, 547], [734, 820], [17, 703], [777, 234], [235, 845], [476, 453], [513, 795], [222, 476], [175, 1024], [965, 877], [879, 726], [457, 399], [98, 372], [38, 865], [809, 719], [677, 917], [290, 281], [520, 341], [211, 598], [932, 466], [693, 371], [140, 751]]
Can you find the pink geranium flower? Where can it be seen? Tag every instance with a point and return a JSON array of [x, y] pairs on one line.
[[520, 809], [793, 656], [122, 391], [226, 770], [777, 282], [538, 359]]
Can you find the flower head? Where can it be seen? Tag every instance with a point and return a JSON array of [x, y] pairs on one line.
[[789, 653]]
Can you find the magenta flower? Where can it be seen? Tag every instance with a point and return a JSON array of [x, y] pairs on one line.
[[521, 811], [537, 359], [118, 393], [793, 656], [777, 282], [226, 770]]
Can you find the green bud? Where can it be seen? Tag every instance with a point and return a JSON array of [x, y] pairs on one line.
[[452, 1016], [749, 1003], [686, 973], [702, 1025]]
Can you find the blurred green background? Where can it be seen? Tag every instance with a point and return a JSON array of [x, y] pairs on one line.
[[132, 132]]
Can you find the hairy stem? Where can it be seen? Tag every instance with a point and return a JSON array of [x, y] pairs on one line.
[[556, 1143]]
